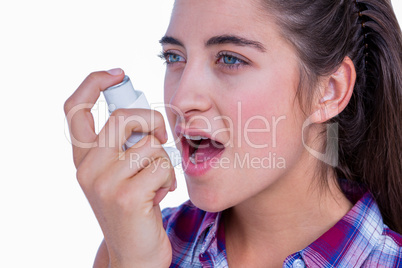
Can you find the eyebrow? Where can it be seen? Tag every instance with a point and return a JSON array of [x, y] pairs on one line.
[[236, 40], [166, 40], [218, 40]]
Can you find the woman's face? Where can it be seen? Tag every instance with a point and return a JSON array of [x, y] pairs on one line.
[[231, 79]]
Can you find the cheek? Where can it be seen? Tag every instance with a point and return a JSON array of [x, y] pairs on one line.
[[269, 119], [169, 87]]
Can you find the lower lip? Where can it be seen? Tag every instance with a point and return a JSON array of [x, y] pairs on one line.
[[199, 168]]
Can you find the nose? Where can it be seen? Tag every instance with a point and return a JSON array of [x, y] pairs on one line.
[[191, 92]]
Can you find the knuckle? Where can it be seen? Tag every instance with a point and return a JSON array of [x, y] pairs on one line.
[[101, 189], [158, 117], [119, 113], [83, 176], [69, 104], [92, 77], [126, 198], [119, 119]]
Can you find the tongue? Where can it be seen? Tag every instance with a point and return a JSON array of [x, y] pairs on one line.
[[206, 150]]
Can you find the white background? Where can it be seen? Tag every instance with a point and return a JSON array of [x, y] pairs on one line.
[[47, 48]]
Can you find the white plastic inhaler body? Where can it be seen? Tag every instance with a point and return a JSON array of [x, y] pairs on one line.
[[124, 96]]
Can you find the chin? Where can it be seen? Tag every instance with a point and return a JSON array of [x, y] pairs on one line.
[[209, 207], [206, 201], [210, 202]]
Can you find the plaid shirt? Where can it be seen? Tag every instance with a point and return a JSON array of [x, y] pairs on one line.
[[359, 239]]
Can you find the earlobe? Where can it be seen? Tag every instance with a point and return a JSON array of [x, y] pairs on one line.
[[338, 89]]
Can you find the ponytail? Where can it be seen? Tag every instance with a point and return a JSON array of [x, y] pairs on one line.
[[323, 33], [374, 154]]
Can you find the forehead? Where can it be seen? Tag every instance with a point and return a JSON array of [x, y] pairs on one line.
[[203, 18]]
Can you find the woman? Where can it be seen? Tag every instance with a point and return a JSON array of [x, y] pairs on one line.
[[288, 116]]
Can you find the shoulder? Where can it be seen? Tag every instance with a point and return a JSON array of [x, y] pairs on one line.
[[359, 239], [385, 244], [387, 251], [394, 237]]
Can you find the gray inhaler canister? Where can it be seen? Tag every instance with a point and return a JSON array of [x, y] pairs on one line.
[[124, 96]]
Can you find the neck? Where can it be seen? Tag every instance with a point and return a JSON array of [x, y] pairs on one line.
[[283, 219]]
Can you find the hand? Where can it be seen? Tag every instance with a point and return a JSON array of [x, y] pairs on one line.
[[123, 195]]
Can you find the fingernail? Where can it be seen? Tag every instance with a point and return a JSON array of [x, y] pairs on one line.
[[115, 71]]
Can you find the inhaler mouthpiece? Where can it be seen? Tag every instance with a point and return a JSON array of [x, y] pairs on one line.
[[124, 96]]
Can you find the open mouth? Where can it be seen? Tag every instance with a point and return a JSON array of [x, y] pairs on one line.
[[201, 149]]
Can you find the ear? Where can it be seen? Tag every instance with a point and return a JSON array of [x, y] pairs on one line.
[[336, 90]]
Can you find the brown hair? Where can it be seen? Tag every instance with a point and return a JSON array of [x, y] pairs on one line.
[[323, 33]]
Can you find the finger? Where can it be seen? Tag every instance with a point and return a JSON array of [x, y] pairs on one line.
[[154, 181], [94, 83], [102, 256], [117, 169], [139, 156], [150, 155], [159, 195], [123, 122], [162, 192], [78, 109], [78, 106]]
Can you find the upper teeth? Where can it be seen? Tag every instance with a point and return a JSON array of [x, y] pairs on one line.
[[196, 138]]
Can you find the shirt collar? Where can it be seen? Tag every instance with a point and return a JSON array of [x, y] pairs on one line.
[[210, 242], [209, 228], [350, 240]]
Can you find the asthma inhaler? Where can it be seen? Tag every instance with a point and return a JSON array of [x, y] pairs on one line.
[[123, 95]]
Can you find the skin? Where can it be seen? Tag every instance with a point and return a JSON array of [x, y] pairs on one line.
[[123, 197], [278, 211], [265, 87], [275, 208]]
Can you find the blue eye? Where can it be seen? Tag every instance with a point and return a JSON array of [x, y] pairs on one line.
[[227, 59], [171, 58]]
